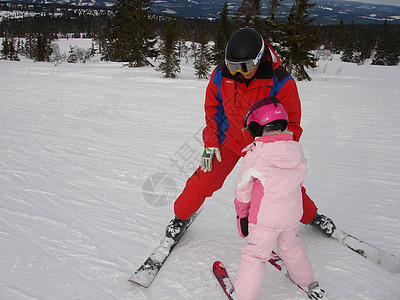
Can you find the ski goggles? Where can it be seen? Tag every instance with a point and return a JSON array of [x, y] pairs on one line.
[[244, 67]]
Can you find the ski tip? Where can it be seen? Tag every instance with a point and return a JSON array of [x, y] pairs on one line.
[[145, 285], [218, 265], [144, 279]]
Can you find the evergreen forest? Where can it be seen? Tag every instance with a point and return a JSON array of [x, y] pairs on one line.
[[129, 33]]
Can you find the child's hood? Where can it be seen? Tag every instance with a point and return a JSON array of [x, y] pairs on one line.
[[279, 150]]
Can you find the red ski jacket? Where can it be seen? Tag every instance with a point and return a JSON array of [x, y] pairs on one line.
[[229, 97]]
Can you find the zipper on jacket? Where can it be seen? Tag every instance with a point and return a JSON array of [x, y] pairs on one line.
[[234, 99]]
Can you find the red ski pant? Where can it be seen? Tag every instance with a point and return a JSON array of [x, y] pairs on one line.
[[202, 185]]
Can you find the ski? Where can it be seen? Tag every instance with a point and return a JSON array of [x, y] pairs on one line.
[[380, 257], [146, 273], [222, 276], [278, 263]]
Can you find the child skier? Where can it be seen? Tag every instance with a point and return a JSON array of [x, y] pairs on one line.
[[269, 201]]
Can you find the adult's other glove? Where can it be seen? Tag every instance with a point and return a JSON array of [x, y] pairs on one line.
[[207, 158], [243, 226]]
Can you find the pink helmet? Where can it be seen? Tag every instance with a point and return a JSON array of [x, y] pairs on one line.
[[264, 111]]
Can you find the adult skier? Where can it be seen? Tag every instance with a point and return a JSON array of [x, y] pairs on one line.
[[251, 71]]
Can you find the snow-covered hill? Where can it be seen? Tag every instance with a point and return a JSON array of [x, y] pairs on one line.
[[82, 146]]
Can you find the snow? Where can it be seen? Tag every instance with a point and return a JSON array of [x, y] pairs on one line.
[[93, 155]]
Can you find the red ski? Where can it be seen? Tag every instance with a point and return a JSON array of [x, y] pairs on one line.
[[278, 263], [222, 276]]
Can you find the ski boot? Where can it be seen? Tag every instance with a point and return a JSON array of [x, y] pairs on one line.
[[314, 291], [323, 224], [176, 228]]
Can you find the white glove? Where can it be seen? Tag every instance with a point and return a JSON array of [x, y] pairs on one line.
[[207, 158]]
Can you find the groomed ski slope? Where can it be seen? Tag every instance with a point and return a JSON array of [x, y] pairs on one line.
[[92, 156]]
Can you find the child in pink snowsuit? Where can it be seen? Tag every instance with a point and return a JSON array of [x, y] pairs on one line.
[[269, 200]]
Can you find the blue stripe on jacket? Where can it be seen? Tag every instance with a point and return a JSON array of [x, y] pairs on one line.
[[220, 116], [278, 85]]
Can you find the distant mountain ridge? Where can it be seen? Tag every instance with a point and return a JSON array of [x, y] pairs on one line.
[[325, 11]]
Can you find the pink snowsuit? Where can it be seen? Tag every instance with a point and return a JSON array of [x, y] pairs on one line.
[[268, 191]]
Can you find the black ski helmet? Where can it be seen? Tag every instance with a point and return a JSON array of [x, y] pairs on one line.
[[244, 44]]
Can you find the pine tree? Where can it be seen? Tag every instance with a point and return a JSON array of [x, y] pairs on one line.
[[193, 48], [392, 50], [42, 49], [103, 37], [222, 36], [340, 37], [9, 51], [273, 6], [363, 51], [338, 42], [5, 51], [181, 37], [29, 45], [202, 63], [170, 62], [347, 54], [272, 30], [349, 41], [300, 39], [132, 33], [248, 14], [387, 49]]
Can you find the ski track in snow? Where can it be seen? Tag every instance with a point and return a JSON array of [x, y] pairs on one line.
[[78, 142]]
